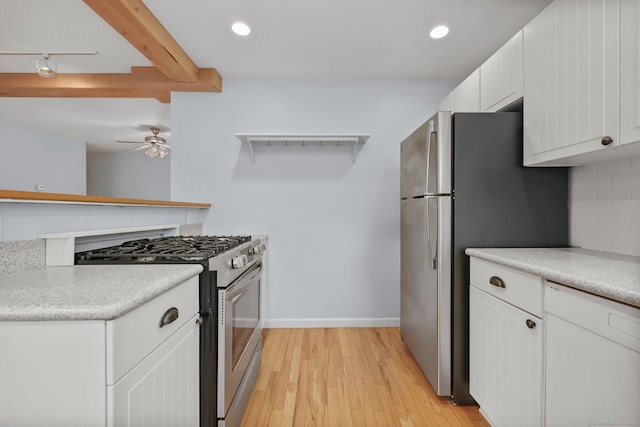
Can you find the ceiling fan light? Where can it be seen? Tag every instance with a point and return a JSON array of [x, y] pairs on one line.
[[152, 152], [46, 67], [163, 151]]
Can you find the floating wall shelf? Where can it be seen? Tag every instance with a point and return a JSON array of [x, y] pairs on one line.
[[265, 140]]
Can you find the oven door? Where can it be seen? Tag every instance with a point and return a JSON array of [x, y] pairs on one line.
[[238, 332]]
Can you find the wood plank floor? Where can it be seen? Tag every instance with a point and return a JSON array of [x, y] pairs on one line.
[[360, 377]]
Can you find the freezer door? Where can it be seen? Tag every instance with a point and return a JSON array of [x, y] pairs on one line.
[[425, 286], [426, 158]]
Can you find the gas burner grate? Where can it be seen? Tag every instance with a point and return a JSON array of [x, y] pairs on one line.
[[181, 248]]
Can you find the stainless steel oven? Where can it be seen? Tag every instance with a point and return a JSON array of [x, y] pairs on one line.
[[239, 339]]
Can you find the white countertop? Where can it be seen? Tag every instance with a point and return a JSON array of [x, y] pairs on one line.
[[86, 292], [613, 276]]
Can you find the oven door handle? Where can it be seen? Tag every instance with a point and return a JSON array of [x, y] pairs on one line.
[[246, 279], [248, 276]]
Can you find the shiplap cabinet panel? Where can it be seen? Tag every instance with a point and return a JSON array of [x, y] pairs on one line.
[[444, 104], [505, 361], [629, 71], [571, 81], [162, 390], [501, 76], [466, 96]]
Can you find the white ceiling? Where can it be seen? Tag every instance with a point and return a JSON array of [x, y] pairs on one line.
[[358, 39]]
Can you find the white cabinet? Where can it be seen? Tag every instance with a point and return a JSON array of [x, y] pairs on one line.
[[465, 97], [501, 76], [629, 71], [130, 371], [592, 359], [444, 104], [506, 344], [162, 390], [571, 82]]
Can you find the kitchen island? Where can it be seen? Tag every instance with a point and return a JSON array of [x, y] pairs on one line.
[[100, 345]]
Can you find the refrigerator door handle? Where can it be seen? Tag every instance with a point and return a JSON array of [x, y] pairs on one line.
[[431, 132], [432, 243]]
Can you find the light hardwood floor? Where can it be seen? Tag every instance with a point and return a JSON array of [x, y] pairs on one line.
[[346, 377]]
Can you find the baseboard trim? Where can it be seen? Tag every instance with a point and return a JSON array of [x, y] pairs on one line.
[[384, 322]]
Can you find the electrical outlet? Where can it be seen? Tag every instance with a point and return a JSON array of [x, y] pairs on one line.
[[39, 187]]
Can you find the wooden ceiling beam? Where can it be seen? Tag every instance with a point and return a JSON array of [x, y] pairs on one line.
[[142, 82], [135, 22]]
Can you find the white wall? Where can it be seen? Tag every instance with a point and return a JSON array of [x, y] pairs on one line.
[[131, 175], [29, 157], [605, 206], [333, 225]]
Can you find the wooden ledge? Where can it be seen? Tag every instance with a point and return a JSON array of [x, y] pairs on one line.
[[39, 197]]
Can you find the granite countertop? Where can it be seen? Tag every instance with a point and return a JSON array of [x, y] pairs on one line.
[[86, 292], [613, 276]]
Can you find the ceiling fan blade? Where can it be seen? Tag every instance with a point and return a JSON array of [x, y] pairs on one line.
[[138, 148], [132, 142]]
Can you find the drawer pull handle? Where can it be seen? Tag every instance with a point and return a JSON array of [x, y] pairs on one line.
[[530, 324], [496, 281], [606, 140], [169, 316]]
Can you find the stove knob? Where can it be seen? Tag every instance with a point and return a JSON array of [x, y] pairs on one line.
[[239, 261], [256, 250]]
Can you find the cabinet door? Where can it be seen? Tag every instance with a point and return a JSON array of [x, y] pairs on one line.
[[444, 104], [571, 75], [501, 76], [505, 361], [602, 383], [466, 96], [163, 389], [629, 71]]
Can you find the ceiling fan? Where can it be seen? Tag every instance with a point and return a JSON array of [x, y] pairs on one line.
[[156, 146]]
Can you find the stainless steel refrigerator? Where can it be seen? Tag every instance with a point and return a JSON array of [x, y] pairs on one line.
[[463, 185]]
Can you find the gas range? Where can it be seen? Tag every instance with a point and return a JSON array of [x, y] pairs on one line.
[[228, 256], [230, 310]]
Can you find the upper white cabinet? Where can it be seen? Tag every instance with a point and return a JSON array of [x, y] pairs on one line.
[[466, 96], [571, 81], [501, 76], [445, 104], [629, 71]]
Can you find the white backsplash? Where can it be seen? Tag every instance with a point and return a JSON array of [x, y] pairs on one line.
[[604, 204]]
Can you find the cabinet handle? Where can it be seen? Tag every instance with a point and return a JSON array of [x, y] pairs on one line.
[[606, 140], [530, 324], [496, 281], [169, 316]]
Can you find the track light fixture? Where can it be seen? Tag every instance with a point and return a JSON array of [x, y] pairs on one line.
[[45, 66]]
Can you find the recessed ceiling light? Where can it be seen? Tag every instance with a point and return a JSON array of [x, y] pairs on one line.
[[241, 29], [439, 32]]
